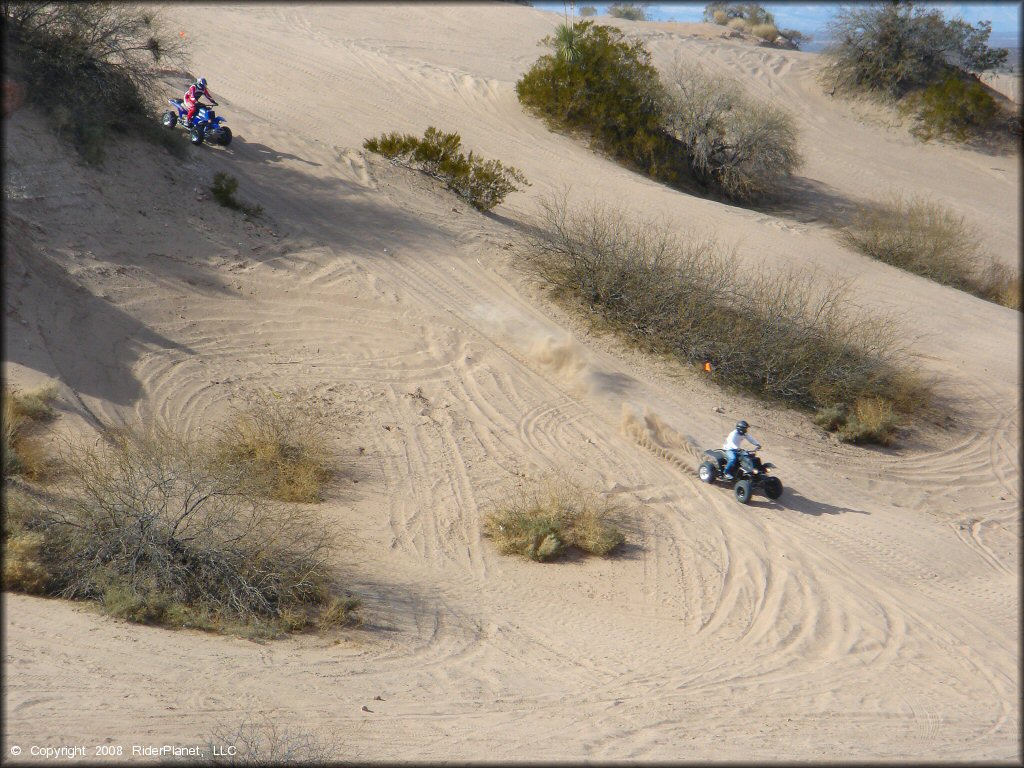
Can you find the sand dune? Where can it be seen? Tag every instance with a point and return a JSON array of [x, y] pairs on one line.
[[872, 613]]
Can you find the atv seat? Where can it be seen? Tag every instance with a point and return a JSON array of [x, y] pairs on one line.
[[179, 102]]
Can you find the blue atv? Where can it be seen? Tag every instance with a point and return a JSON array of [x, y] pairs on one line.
[[750, 474], [206, 125]]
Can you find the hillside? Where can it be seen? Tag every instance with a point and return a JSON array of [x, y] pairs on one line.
[[872, 613]]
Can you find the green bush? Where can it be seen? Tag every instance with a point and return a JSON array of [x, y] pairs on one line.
[[482, 183], [928, 239], [612, 92], [223, 190], [89, 65], [958, 106], [914, 56], [896, 48], [541, 522], [588, 10], [785, 337]]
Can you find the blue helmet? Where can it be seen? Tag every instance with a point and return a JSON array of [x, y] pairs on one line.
[[201, 85]]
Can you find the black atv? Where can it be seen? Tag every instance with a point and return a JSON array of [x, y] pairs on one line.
[[749, 472]]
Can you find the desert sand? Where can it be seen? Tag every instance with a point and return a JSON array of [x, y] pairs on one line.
[[872, 613]]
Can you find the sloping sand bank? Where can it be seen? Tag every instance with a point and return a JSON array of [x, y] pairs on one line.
[[870, 614]]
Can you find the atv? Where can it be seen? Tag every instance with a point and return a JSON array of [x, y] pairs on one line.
[[206, 125], [750, 474]]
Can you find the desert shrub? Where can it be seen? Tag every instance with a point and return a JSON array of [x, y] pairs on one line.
[[89, 65], [482, 183], [895, 48], [263, 741], [927, 238], [224, 188], [914, 56], [751, 13], [610, 91], [340, 612], [588, 10], [744, 146], [753, 18], [24, 414], [872, 420], [788, 337], [795, 37], [277, 445], [831, 417], [157, 531], [765, 31], [628, 11], [24, 568], [34, 404], [542, 521], [998, 283], [958, 106], [927, 65]]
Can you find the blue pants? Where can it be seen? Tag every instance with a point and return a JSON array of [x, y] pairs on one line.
[[730, 464]]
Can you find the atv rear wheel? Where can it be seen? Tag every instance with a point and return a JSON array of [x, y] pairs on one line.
[[169, 119], [225, 137], [742, 491], [706, 472], [196, 136], [772, 487]]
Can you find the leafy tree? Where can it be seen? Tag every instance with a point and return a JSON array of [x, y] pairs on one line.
[[588, 10], [629, 11]]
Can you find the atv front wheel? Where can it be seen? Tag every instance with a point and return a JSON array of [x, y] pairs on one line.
[[706, 472], [742, 491], [772, 487], [196, 136], [225, 137], [169, 119]]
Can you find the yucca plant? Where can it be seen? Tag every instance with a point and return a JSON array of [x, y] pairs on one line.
[[567, 43]]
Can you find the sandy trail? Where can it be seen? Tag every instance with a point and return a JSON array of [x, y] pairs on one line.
[[871, 613]]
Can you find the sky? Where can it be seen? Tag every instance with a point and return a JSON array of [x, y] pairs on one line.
[[811, 18]]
